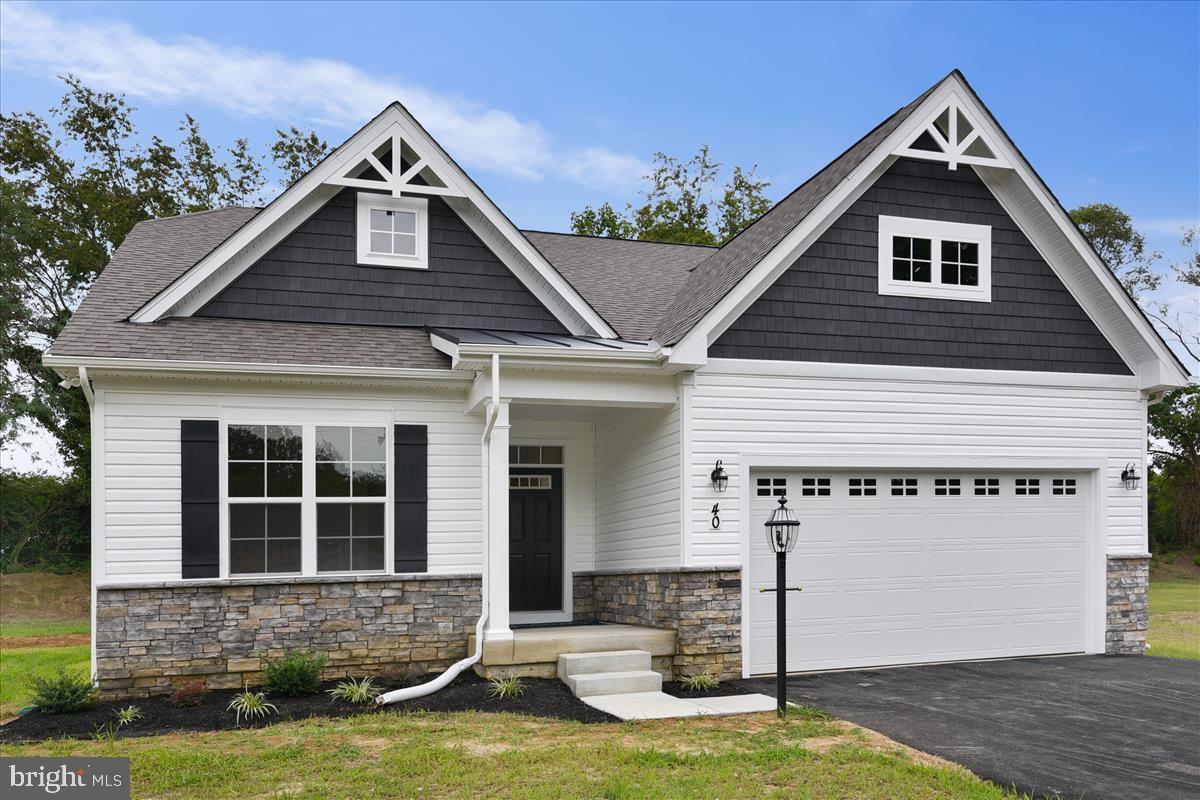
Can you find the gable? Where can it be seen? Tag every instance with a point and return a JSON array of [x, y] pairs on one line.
[[392, 153], [826, 305], [313, 276]]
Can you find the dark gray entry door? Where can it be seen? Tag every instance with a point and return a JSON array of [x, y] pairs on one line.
[[535, 539]]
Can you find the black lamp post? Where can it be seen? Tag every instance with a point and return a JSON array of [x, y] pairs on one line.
[[782, 532]]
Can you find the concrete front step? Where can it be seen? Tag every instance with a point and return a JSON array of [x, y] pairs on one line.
[[599, 683], [608, 661], [534, 652]]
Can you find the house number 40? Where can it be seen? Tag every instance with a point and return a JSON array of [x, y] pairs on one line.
[[716, 519]]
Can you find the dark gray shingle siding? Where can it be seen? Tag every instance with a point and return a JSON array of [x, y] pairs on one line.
[[827, 307], [156, 252], [312, 276]]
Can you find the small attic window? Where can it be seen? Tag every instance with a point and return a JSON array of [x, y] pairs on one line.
[[930, 258], [393, 231]]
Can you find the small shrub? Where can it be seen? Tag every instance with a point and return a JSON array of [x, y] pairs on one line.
[[506, 688], [252, 705], [355, 691], [62, 692], [106, 732], [400, 677], [294, 673], [128, 715], [704, 682], [190, 694], [1196, 559]]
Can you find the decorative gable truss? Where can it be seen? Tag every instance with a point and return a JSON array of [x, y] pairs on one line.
[[393, 154], [950, 135], [378, 169]]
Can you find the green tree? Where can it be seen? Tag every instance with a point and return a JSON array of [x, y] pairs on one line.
[[72, 185], [679, 205], [1175, 445], [1119, 244]]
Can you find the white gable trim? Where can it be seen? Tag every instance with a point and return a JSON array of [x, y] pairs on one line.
[[1122, 323], [186, 295]]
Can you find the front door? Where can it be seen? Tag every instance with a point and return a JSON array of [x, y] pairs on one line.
[[535, 539]]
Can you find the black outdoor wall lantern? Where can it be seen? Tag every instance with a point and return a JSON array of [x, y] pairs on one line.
[[720, 480], [783, 531], [1129, 476]]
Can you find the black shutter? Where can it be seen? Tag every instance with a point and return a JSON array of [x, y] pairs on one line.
[[412, 497], [201, 502]]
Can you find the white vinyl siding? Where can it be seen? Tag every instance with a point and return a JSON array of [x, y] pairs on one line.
[[637, 489], [735, 412], [140, 462]]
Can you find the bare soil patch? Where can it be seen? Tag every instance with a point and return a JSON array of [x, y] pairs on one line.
[[44, 597]]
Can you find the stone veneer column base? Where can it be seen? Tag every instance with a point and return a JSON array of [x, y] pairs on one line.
[[1128, 605], [703, 605], [151, 638]]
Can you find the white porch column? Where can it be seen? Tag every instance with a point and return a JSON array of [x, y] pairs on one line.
[[496, 460]]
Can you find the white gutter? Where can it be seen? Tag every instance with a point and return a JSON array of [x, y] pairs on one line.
[[456, 669], [304, 370]]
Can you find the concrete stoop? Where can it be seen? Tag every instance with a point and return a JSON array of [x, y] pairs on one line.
[[621, 683]]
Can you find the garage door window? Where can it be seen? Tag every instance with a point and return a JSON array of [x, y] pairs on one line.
[[814, 487], [904, 487], [771, 487], [1028, 486], [987, 487], [1063, 486], [947, 486], [862, 487]]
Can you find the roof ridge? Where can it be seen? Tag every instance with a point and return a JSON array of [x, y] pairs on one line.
[[699, 295], [621, 239], [201, 213]]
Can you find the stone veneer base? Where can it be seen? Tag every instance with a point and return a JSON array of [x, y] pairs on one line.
[[1128, 604], [151, 638], [703, 605]]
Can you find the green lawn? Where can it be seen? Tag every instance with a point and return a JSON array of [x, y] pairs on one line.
[[16, 664], [23, 630], [500, 755], [1175, 618]]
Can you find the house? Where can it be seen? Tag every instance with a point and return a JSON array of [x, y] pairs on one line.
[[344, 421]]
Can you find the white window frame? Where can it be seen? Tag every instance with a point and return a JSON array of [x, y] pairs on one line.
[[308, 499], [937, 232], [367, 202], [384, 499]]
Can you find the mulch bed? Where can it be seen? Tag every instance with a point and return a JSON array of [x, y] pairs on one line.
[[722, 689], [57, 640], [543, 697]]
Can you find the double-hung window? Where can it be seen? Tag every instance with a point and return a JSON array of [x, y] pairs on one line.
[[393, 231], [930, 258], [306, 499], [265, 494], [351, 465]]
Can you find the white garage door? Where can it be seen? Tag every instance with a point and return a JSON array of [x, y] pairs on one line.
[[907, 567]]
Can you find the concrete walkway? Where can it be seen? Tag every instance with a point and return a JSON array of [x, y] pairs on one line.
[[660, 705]]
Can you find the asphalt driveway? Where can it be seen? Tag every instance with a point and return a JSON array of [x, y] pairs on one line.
[[1077, 727]]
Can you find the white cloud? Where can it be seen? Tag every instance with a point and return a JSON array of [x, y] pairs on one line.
[[117, 57], [1173, 227]]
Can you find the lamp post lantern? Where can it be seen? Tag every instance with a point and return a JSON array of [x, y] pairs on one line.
[[782, 532]]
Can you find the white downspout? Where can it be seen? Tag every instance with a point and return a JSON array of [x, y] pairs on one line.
[[456, 669]]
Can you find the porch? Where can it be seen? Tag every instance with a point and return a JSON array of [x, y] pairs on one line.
[[533, 652]]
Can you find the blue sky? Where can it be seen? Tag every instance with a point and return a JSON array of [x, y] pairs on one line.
[[551, 107]]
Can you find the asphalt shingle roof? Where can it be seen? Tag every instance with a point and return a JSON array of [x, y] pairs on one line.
[[725, 268], [630, 283], [645, 290], [157, 252]]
